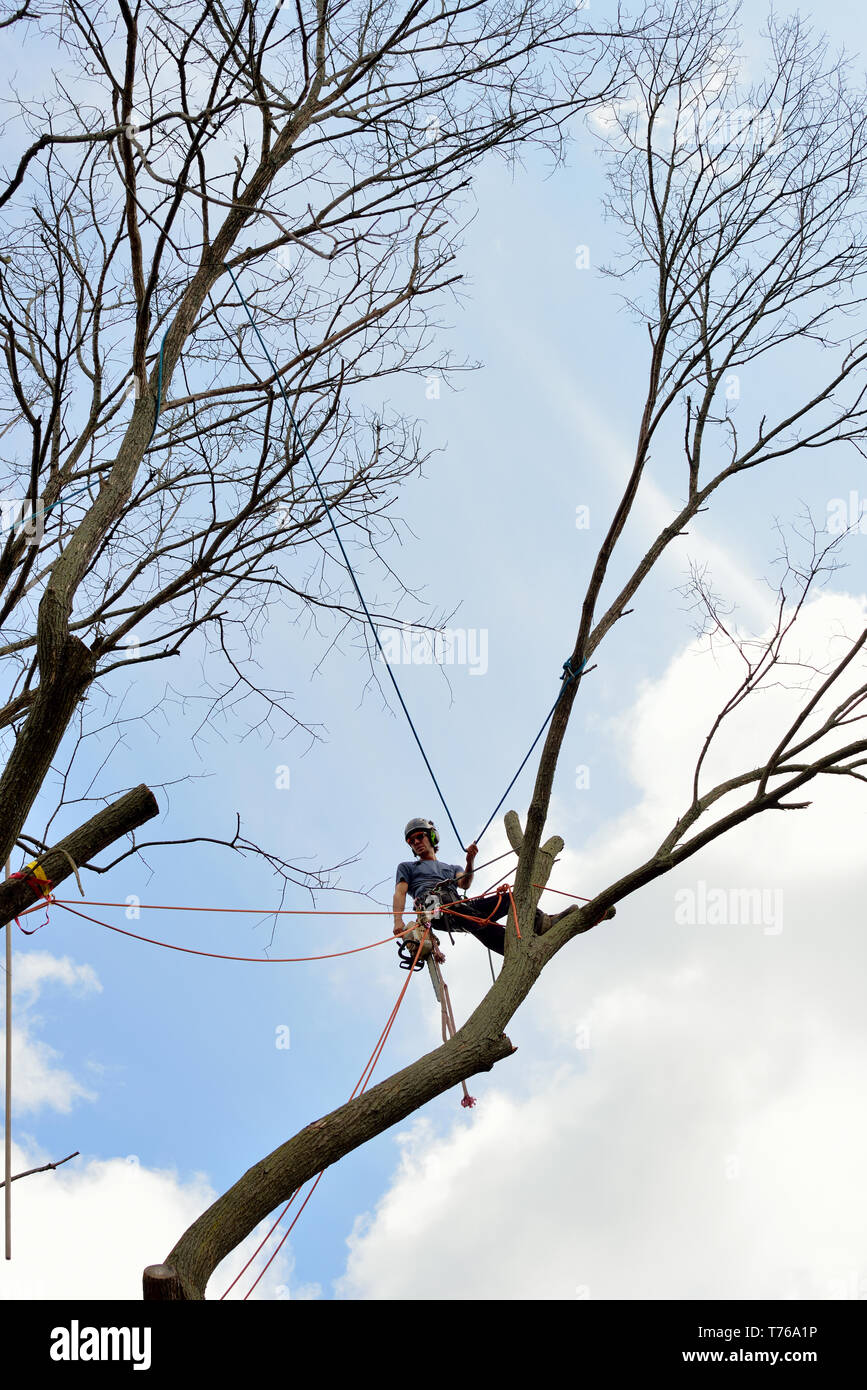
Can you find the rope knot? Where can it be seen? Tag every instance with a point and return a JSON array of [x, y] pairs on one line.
[[568, 675], [39, 882]]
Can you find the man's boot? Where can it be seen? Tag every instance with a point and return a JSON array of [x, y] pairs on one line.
[[544, 922]]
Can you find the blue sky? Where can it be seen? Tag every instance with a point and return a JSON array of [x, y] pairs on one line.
[[165, 1072]]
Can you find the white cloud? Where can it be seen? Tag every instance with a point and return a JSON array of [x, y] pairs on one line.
[[684, 1118], [89, 1229], [39, 1082], [688, 1160], [33, 970]]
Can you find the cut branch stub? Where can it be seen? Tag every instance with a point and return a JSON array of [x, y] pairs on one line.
[[162, 1284], [543, 863], [514, 831], [542, 866]]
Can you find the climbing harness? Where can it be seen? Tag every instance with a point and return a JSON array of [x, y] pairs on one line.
[[428, 908]]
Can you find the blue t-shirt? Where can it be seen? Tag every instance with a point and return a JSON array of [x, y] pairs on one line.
[[423, 874]]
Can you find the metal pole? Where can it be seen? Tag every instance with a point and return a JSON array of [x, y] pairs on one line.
[[8, 1189]]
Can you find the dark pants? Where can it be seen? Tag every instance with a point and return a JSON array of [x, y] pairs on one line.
[[475, 914]]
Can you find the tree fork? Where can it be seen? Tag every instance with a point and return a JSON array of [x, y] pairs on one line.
[[127, 813]]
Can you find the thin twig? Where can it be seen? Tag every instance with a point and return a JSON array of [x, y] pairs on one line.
[[44, 1169]]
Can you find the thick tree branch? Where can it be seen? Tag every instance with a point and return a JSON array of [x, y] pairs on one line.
[[122, 816]]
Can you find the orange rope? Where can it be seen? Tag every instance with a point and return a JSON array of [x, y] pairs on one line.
[[482, 921], [267, 960], [365, 1077], [515, 910], [261, 911], [265, 1237], [273, 1257], [215, 955], [479, 921]]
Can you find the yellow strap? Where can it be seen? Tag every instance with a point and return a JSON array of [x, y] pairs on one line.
[[40, 875]]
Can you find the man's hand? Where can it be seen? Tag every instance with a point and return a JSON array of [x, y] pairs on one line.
[[465, 879], [398, 929]]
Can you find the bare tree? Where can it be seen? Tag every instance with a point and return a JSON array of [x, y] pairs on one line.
[[155, 490], [743, 213]]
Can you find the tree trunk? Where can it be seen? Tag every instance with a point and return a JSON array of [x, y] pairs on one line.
[[65, 673]]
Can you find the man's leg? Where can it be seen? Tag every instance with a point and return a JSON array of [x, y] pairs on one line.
[[479, 918]]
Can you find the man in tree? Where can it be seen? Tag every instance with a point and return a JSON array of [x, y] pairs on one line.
[[430, 880]]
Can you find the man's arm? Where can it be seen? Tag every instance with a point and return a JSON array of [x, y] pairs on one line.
[[398, 903], [465, 879]]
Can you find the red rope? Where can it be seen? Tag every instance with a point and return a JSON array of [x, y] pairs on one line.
[[265, 1237], [262, 911], [279, 1247], [515, 911], [481, 921], [361, 1082], [265, 960], [215, 955], [259, 911]]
